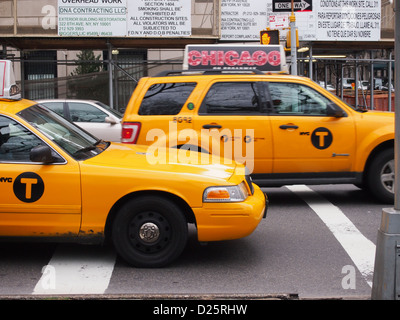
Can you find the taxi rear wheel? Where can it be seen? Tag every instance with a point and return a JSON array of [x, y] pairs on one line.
[[149, 232], [381, 176]]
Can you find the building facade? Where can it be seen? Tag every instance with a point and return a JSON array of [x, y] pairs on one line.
[[123, 40]]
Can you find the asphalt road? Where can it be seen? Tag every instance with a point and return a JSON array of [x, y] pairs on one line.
[[316, 242]]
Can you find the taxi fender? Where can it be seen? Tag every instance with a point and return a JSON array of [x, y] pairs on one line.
[[370, 142], [96, 215]]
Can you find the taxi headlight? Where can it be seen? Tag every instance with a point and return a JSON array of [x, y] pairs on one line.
[[226, 193]]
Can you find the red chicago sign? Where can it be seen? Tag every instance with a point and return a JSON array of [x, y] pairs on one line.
[[233, 58]]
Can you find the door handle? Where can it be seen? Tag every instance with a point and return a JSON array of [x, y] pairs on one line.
[[288, 126], [212, 126]]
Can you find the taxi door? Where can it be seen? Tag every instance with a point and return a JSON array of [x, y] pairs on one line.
[[35, 199], [233, 115], [306, 137]]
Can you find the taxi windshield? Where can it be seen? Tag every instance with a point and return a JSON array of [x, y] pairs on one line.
[[72, 139]]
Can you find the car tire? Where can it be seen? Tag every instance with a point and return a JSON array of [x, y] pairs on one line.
[[149, 232], [381, 175]]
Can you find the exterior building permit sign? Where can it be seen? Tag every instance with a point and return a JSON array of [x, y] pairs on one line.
[[242, 19], [120, 18]]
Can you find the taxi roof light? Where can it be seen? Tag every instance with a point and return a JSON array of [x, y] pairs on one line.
[[235, 57], [8, 88]]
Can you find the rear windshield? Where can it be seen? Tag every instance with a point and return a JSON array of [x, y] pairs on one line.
[[166, 98]]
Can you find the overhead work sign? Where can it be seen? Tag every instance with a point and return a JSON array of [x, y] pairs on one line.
[[124, 18]]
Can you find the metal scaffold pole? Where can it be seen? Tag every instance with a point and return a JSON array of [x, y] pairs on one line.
[[293, 42], [386, 281], [110, 76]]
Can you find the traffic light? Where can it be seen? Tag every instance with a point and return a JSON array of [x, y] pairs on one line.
[[269, 37], [289, 39]]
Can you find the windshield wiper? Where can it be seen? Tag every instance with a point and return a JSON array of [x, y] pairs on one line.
[[105, 144], [85, 149], [94, 146]]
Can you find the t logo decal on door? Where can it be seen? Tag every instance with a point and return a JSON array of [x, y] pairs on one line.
[[28, 187], [321, 138]]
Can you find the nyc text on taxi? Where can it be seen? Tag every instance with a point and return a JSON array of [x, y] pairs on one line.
[[301, 133], [58, 182]]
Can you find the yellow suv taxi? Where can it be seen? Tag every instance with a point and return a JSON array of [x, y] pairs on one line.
[[59, 182], [287, 129]]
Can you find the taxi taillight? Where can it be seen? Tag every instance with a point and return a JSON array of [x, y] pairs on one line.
[[130, 132]]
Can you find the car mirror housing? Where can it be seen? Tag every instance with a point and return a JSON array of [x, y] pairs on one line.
[[41, 154], [333, 110], [110, 120]]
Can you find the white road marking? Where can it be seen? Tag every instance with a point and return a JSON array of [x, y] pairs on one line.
[[360, 249], [72, 271]]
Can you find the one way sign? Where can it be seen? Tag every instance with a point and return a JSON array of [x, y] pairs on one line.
[[286, 5]]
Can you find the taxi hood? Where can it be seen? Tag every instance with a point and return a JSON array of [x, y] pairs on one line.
[[119, 155]]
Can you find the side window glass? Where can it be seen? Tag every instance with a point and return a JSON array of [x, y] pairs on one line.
[[84, 112], [57, 107], [16, 141], [166, 98], [296, 99], [232, 98]]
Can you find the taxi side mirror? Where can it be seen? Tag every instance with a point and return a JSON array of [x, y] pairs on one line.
[[333, 110], [42, 154]]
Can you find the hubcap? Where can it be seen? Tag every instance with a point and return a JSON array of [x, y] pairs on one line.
[[149, 232], [387, 176]]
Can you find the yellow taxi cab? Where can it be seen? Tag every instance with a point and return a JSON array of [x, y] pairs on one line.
[[59, 183], [287, 129]]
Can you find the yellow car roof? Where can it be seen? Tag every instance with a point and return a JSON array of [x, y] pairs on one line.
[[14, 106]]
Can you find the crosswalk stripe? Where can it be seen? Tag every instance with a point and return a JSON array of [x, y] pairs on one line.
[[70, 271], [360, 249]]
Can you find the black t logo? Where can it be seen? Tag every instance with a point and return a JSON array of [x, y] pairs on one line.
[[28, 187], [321, 138]]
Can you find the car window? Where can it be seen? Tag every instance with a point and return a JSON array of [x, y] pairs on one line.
[[112, 111], [57, 107], [78, 143], [232, 98], [84, 112], [166, 98], [296, 99], [16, 141]]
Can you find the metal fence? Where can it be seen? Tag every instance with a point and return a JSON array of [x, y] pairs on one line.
[[48, 84], [48, 78], [361, 82], [45, 77]]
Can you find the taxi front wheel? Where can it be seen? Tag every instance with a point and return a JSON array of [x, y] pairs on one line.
[[149, 231], [381, 176]]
